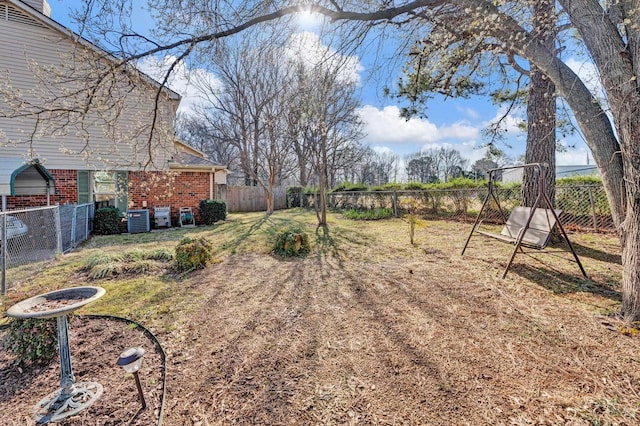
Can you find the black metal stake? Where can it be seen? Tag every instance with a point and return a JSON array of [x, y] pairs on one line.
[[140, 394]]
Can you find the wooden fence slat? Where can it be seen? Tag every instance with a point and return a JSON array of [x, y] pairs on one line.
[[252, 199]]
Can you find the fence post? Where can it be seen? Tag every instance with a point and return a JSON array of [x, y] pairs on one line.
[[395, 203], [58, 224], [593, 210], [74, 224], [4, 253]]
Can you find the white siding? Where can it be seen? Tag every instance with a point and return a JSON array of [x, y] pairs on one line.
[[40, 5], [26, 50]]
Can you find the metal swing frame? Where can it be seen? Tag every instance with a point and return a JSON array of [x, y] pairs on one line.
[[519, 241]]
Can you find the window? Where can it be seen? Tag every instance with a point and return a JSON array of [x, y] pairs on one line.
[[106, 189]]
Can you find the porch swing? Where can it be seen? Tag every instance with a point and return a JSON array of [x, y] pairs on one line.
[[529, 227]]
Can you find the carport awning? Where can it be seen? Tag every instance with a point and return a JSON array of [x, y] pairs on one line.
[[20, 177]]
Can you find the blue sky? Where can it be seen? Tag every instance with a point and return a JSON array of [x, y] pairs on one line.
[[451, 123]]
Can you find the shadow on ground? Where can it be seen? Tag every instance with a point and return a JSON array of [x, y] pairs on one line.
[[562, 283], [596, 254]]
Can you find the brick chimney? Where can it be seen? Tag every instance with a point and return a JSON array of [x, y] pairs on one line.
[[40, 5]]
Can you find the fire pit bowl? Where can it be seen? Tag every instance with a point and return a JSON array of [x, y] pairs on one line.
[[71, 397], [55, 303]]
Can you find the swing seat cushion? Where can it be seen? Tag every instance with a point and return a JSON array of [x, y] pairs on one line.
[[540, 227]]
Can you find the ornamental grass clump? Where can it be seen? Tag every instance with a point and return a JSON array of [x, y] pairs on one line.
[[292, 243], [32, 341], [192, 254]]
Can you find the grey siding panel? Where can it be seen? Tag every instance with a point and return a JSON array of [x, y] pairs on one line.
[[25, 50]]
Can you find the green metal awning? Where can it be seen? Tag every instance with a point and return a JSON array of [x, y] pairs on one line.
[[24, 177]]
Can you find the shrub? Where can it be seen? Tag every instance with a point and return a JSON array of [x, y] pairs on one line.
[[294, 196], [392, 186], [32, 341], [412, 186], [141, 266], [373, 214], [579, 180], [99, 258], [192, 254], [461, 183], [350, 187], [212, 211], [292, 242], [160, 254], [134, 255], [137, 261], [106, 221]]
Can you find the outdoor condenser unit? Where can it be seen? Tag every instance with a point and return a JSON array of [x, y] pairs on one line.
[[138, 221]]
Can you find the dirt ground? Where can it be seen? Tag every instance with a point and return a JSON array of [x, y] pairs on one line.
[[368, 331]]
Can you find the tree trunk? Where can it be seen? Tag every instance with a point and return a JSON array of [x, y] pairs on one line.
[[541, 113], [323, 181], [617, 61]]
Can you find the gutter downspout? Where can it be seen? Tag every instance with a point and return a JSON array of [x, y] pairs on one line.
[[211, 173]]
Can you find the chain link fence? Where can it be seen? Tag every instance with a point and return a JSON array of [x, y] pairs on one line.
[[27, 237], [584, 207], [30, 237], [76, 223]]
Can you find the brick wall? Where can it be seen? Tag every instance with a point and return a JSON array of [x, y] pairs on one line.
[[66, 192], [174, 189], [158, 189]]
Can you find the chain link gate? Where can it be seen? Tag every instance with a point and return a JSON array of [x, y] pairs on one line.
[[27, 237]]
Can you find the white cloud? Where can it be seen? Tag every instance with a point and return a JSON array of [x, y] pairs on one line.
[[308, 47], [182, 80], [383, 150], [385, 126], [386, 131]]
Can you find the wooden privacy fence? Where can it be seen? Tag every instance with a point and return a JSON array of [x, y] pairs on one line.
[[252, 199]]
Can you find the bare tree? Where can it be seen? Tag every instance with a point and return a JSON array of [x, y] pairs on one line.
[[451, 163], [324, 120], [247, 108], [197, 132], [422, 166]]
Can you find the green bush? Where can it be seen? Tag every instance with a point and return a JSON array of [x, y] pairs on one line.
[[373, 214], [414, 186], [292, 242], [159, 254], [392, 186], [295, 197], [579, 180], [461, 183], [212, 211], [192, 254], [32, 341], [350, 187], [106, 221]]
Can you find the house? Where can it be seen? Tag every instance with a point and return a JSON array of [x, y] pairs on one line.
[[111, 156]]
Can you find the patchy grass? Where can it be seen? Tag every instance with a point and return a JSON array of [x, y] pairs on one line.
[[371, 329]]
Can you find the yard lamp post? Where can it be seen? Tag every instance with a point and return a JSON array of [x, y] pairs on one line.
[[131, 361]]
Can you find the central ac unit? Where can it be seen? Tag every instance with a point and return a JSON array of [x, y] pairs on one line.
[[138, 221]]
